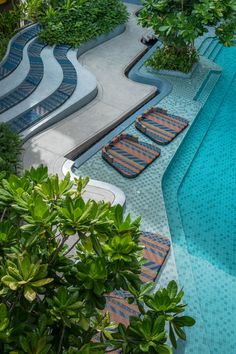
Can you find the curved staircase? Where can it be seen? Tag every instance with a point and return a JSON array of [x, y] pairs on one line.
[[15, 50], [25, 104], [55, 100], [31, 81]]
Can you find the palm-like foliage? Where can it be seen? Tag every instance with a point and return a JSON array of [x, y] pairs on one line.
[[60, 257]]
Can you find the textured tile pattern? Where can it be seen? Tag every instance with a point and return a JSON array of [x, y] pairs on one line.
[[203, 174], [145, 197]]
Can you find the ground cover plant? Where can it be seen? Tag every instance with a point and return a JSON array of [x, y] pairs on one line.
[[10, 151], [179, 23], [74, 22], [9, 23], [60, 257]]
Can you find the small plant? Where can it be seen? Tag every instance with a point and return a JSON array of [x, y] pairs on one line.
[[60, 257], [148, 333], [171, 58], [10, 151]]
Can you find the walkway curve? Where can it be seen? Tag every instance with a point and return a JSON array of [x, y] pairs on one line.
[[117, 96]]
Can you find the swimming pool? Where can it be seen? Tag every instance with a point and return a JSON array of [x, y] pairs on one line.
[[144, 197], [201, 208]]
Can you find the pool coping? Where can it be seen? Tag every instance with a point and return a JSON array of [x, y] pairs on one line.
[[119, 195]]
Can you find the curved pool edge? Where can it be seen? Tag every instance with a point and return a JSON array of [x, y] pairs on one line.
[[119, 195], [183, 244], [177, 105]]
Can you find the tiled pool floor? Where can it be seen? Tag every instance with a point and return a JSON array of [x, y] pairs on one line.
[[145, 197], [202, 215], [144, 194]]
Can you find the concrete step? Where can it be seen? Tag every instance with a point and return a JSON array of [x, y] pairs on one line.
[[52, 78], [30, 83], [55, 100], [204, 45], [216, 51], [207, 87], [15, 50], [211, 48]]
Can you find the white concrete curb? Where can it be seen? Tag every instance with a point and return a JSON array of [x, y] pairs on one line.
[[119, 196]]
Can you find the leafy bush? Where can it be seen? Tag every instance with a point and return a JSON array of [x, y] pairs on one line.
[[10, 150], [179, 23], [60, 256], [74, 22], [9, 23], [171, 58]]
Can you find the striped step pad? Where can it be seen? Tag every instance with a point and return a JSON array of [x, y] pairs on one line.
[[156, 252], [55, 100], [128, 155], [32, 80], [15, 54], [160, 126]]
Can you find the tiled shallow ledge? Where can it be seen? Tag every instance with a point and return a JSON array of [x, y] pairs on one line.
[[144, 194]]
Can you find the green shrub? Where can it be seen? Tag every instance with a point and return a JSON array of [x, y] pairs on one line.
[[52, 293], [9, 23], [10, 151], [4, 40], [74, 22], [179, 23], [170, 58]]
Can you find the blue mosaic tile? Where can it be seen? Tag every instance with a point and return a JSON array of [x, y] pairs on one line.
[[145, 196]]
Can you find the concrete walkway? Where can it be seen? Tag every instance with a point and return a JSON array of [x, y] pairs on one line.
[[116, 97]]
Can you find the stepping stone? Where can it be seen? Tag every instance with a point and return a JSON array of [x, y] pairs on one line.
[[160, 126], [128, 155], [156, 251]]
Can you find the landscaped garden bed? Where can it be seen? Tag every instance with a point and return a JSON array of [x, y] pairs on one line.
[[70, 22], [9, 23], [178, 24]]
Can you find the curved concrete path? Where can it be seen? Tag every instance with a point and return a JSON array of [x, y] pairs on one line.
[[116, 97]]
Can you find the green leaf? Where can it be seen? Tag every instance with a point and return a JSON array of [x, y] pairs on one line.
[[172, 289], [24, 344], [4, 319], [172, 336], [29, 293], [184, 321], [163, 28], [145, 347], [10, 282], [41, 282], [180, 333], [164, 349]]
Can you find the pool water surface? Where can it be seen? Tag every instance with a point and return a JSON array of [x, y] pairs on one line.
[[204, 227]]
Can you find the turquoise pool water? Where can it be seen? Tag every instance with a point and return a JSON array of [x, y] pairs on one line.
[[203, 219], [199, 191]]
